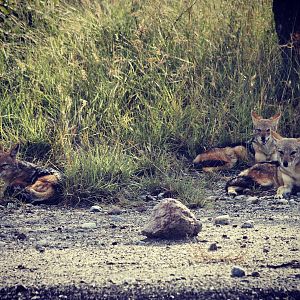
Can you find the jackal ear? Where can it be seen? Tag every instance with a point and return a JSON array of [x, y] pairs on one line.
[[276, 117], [276, 136], [255, 116], [14, 150], [275, 120]]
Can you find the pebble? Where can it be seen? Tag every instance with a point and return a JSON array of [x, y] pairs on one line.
[[248, 224], [115, 210], [39, 248], [89, 225], [222, 220], [239, 197], [252, 200], [96, 208], [282, 202], [2, 244], [255, 274], [10, 205], [237, 272], [213, 247], [42, 243]]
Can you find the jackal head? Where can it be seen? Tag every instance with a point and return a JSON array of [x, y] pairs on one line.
[[8, 163], [288, 150], [262, 127]]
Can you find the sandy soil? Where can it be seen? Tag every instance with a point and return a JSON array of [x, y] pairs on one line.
[[47, 253]]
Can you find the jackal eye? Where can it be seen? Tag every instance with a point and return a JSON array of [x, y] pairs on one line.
[[293, 152], [258, 130], [280, 152], [268, 130]]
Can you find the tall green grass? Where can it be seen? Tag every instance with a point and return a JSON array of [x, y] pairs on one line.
[[119, 88]]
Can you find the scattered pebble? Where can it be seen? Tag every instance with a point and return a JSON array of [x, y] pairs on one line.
[[21, 236], [255, 274], [114, 210], [237, 272], [10, 205], [239, 197], [40, 248], [89, 225], [282, 202], [42, 243], [248, 224], [252, 200], [96, 208], [213, 247], [222, 220]]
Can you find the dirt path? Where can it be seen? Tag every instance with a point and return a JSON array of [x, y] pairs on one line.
[[62, 253]]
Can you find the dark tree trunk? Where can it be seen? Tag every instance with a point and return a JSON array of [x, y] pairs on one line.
[[287, 24]]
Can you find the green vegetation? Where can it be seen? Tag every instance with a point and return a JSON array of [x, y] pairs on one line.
[[120, 89]]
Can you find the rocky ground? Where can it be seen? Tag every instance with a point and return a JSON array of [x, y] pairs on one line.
[[75, 253]]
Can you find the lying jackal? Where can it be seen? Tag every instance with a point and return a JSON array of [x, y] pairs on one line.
[[29, 182], [283, 174], [261, 147]]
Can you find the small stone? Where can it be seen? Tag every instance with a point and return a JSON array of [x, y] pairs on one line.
[[213, 247], [222, 220], [42, 243], [21, 236], [2, 207], [114, 210], [2, 244], [255, 274], [248, 224], [240, 197], [40, 248], [282, 202], [96, 208], [11, 205], [89, 225], [237, 272], [252, 200]]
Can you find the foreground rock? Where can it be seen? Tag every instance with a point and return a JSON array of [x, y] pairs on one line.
[[170, 219]]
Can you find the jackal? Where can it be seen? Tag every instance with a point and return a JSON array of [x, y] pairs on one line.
[[259, 148], [283, 174], [262, 142], [29, 182]]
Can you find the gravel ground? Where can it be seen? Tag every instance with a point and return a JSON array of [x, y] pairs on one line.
[[67, 253]]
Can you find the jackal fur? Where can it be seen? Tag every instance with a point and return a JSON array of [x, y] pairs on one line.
[[29, 182]]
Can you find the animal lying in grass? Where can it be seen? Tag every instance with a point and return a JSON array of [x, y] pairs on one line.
[[28, 182], [283, 174], [260, 148]]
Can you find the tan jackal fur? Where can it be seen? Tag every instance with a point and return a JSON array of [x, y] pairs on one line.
[[259, 149], [29, 182], [262, 141], [284, 174]]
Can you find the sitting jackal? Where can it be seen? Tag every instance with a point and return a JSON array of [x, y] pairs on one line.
[[284, 174], [29, 182]]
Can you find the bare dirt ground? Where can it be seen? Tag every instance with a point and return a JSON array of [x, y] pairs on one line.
[[73, 253]]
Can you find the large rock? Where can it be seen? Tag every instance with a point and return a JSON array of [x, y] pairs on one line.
[[170, 219]]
